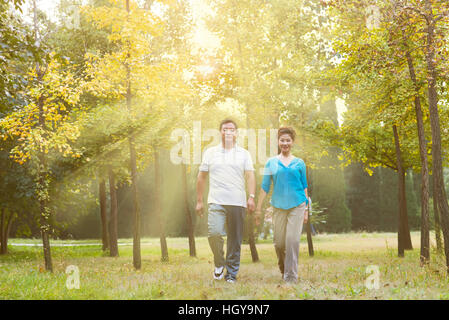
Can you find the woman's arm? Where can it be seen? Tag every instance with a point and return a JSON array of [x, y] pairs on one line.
[[260, 199], [306, 212], [264, 190]]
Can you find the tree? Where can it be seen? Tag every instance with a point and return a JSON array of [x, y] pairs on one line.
[[104, 221], [391, 54], [425, 246], [158, 207], [433, 15], [128, 72], [16, 43], [113, 225], [44, 128]]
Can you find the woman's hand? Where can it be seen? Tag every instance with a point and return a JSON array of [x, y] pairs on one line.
[[306, 214], [257, 216]]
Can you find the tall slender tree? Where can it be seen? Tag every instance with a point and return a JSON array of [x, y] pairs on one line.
[[103, 214]]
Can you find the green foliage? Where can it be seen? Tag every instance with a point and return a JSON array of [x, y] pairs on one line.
[[279, 63], [373, 199], [17, 47]]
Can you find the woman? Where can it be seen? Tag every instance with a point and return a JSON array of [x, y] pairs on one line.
[[289, 201]]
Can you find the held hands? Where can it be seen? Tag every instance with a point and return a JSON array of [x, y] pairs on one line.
[[200, 207], [257, 216]]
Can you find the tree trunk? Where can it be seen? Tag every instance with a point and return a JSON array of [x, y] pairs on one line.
[[309, 225], [190, 227], [407, 240], [43, 196], [113, 226], [436, 215], [137, 260], [45, 229], [250, 222], [2, 224], [437, 171], [42, 166], [104, 222], [250, 217], [425, 241], [7, 231], [404, 240], [309, 193], [5, 227], [43, 199], [158, 207]]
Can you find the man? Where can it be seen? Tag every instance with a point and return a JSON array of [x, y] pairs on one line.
[[227, 165]]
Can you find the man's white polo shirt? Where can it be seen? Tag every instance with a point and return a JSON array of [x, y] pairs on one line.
[[227, 174]]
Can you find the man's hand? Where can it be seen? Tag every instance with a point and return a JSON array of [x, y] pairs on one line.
[[200, 184], [199, 208], [251, 204]]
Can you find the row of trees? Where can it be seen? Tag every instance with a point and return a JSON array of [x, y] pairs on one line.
[[392, 75], [98, 101], [371, 200]]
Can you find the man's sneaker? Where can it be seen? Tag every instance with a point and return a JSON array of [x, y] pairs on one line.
[[230, 280], [218, 273]]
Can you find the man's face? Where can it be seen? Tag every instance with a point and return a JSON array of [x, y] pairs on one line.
[[228, 133]]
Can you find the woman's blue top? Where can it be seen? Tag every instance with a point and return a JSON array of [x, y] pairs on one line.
[[289, 182]]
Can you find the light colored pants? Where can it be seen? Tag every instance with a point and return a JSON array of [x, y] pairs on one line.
[[226, 220], [287, 234]]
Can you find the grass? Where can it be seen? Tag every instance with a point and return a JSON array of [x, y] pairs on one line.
[[337, 271]]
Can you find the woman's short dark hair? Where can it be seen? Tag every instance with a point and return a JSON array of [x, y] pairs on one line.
[[287, 130], [227, 121]]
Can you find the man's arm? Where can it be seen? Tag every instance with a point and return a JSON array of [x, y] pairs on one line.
[[251, 181], [200, 185]]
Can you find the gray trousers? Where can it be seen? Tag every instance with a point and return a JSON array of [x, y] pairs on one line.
[[287, 234], [226, 220]]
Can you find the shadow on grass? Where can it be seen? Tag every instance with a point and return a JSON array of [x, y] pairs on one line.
[[20, 255], [27, 254]]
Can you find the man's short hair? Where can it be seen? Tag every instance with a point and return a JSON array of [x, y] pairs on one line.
[[225, 121]]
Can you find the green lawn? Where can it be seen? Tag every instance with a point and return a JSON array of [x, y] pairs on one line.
[[337, 271]]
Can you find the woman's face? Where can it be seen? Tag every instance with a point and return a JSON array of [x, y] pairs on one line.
[[285, 143]]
